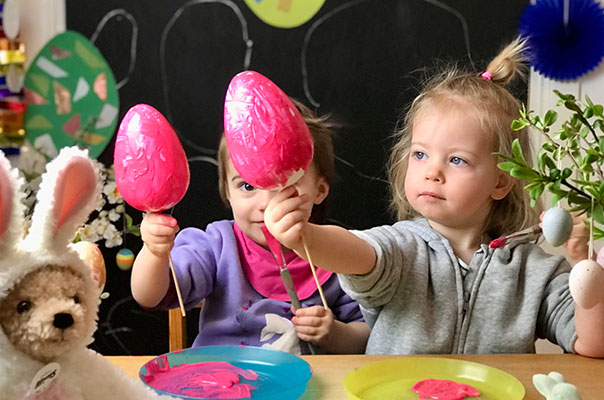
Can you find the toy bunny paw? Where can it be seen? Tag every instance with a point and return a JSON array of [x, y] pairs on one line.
[[553, 387]]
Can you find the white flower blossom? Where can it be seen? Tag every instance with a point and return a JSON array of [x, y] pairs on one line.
[[114, 215], [111, 192], [103, 224], [112, 236]]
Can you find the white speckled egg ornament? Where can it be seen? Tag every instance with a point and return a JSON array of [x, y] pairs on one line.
[[557, 225], [586, 282]]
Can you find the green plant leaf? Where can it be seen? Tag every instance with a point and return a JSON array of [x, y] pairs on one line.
[[517, 151], [519, 124], [598, 213], [507, 165], [524, 173], [550, 118]]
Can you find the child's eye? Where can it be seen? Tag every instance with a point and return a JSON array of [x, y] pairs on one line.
[[458, 161], [419, 155], [246, 187]]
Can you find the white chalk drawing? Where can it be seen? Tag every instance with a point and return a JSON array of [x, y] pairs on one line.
[[120, 13], [327, 16], [162, 56]]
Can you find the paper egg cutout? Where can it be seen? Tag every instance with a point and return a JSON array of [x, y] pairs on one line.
[[269, 143], [557, 225], [89, 252], [124, 259], [586, 282], [151, 168]]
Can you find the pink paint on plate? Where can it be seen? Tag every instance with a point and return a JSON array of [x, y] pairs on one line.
[[443, 389], [211, 380]]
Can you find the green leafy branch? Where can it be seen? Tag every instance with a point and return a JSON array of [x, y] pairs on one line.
[[580, 139]]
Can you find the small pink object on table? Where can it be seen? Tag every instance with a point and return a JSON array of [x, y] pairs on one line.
[[269, 143]]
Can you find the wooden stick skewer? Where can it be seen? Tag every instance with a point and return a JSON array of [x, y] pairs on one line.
[[182, 306], [314, 273]]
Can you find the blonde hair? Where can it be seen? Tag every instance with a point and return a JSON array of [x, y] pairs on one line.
[[495, 108], [322, 131]]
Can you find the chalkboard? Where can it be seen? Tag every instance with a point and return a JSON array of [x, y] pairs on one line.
[[359, 60]]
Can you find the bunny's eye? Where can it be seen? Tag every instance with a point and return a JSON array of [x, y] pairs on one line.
[[76, 299], [23, 306]]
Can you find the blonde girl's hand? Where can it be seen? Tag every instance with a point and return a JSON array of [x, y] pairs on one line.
[[158, 232], [577, 245], [286, 216], [314, 324]]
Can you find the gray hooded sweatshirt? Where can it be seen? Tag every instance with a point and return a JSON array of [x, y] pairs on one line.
[[419, 299]]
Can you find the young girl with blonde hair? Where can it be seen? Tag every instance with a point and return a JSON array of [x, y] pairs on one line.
[[432, 284]]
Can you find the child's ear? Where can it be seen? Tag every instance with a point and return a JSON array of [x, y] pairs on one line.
[[505, 182], [322, 190]]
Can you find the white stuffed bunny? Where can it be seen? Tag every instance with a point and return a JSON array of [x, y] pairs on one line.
[[553, 387], [48, 296]]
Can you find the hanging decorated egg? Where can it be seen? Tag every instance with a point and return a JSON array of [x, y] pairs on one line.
[[151, 168], [269, 143], [124, 259], [586, 282], [557, 226]]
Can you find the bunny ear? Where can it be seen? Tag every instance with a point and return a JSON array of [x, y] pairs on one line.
[[68, 192], [11, 208]]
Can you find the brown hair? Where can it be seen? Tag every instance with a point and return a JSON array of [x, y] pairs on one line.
[[322, 131], [495, 108]]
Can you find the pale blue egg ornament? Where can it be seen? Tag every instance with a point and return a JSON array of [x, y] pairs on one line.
[[557, 225]]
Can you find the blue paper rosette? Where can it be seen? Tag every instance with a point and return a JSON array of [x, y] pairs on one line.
[[565, 37]]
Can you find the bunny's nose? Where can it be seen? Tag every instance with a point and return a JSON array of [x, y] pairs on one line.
[[63, 320]]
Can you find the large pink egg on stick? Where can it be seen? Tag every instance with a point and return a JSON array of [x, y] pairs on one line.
[[151, 168], [268, 141]]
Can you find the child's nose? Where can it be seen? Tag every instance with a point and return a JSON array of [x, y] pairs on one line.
[[264, 198], [434, 173]]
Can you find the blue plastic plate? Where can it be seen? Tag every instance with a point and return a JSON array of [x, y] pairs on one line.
[[280, 375]]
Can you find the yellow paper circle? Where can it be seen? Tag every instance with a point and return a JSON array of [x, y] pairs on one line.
[[285, 13]]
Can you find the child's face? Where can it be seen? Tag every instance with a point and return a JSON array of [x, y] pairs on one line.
[[248, 203], [452, 177]]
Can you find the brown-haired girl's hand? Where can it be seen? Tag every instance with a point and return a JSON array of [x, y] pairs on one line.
[[158, 232], [314, 324], [286, 216]]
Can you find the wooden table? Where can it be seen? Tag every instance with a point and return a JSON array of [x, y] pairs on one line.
[[329, 371]]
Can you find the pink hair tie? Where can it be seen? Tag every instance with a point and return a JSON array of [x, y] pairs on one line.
[[487, 75]]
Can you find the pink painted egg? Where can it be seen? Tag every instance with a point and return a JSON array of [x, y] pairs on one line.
[[268, 141], [586, 282], [151, 168]]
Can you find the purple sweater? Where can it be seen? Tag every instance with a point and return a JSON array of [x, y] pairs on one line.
[[234, 313]]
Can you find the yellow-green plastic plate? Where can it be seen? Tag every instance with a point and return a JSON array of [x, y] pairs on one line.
[[392, 379]]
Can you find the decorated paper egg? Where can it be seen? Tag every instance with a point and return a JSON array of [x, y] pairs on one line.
[[586, 282], [557, 225], [90, 253], [269, 143], [124, 259], [151, 169]]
